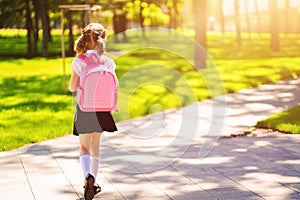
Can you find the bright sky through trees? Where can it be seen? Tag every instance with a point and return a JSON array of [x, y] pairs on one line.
[[263, 5]]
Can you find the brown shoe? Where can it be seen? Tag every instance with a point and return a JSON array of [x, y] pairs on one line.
[[89, 187], [97, 189]]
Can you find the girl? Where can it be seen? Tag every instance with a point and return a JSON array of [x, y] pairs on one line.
[[89, 125]]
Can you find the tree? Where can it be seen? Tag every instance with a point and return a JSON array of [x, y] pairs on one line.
[[174, 14], [29, 27], [43, 5], [237, 21], [273, 7], [23, 13], [246, 5], [257, 15], [36, 22], [70, 26], [21, 18], [141, 17], [200, 10], [7, 7], [119, 16], [222, 17], [287, 15]]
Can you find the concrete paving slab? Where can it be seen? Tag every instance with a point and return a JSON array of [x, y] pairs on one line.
[[294, 186], [234, 193], [14, 183], [178, 154], [46, 178], [293, 196], [133, 186], [175, 184]]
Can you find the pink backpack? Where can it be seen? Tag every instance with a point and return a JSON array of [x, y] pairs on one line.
[[98, 88]]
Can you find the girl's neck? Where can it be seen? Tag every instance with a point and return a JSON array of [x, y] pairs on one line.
[[93, 51]]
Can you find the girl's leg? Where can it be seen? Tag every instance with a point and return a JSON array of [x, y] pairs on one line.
[[95, 153], [89, 166], [95, 143], [84, 151]]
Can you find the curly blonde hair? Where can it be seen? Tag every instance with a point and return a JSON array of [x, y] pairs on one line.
[[93, 37]]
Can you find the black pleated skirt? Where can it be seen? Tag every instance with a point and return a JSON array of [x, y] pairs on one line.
[[89, 122]]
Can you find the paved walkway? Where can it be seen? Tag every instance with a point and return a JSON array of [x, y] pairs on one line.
[[179, 154]]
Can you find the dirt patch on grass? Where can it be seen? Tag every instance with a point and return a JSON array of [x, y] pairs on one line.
[[257, 132]]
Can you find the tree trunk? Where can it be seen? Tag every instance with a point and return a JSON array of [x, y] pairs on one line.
[[49, 37], [287, 15], [222, 17], [274, 25], [36, 8], [174, 13], [29, 28], [115, 27], [257, 15], [123, 26], [45, 26], [248, 19], [171, 17], [200, 10], [298, 23], [142, 19], [237, 21], [71, 38]]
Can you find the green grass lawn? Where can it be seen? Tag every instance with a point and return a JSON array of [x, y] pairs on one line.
[[287, 121], [33, 107]]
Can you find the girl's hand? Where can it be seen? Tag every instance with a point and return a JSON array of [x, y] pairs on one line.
[[74, 82]]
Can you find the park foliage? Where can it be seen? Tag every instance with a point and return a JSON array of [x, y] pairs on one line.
[[33, 106]]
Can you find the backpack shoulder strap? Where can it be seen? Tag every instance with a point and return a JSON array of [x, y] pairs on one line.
[[94, 59], [82, 57]]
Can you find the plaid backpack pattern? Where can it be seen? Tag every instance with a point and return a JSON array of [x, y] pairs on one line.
[[98, 88]]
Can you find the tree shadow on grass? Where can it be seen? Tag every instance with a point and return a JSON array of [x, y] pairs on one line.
[[46, 85], [31, 93], [36, 105]]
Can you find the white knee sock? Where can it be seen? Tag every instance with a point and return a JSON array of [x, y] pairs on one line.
[[85, 161], [95, 161]]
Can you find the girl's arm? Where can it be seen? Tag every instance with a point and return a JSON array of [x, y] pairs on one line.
[[74, 82]]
